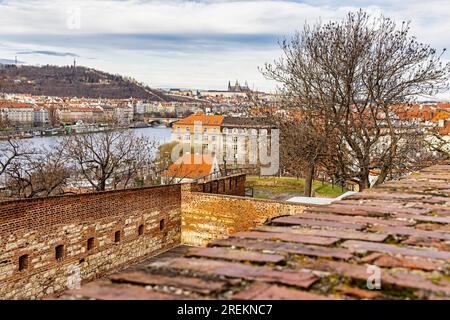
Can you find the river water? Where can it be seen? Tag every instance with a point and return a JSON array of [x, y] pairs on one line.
[[162, 135]]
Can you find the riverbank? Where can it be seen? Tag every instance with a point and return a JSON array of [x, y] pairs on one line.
[[28, 133]]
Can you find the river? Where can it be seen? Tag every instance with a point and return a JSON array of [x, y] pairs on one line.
[[162, 135]]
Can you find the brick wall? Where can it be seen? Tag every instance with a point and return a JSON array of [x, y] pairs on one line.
[[32, 229], [84, 227], [207, 217], [230, 185]]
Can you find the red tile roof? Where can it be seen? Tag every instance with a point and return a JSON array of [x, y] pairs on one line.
[[191, 167], [204, 119]]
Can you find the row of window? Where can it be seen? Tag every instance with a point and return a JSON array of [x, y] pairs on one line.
[[187, 130], [24, 260], [196, 130]]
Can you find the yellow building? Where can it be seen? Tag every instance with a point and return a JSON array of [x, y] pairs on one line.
[[199, 130]]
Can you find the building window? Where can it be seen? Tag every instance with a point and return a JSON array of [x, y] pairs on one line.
[[24, 262], [235, 139], [141, 230], [117, 236], [59, 252], [90, 244], [162, 224]]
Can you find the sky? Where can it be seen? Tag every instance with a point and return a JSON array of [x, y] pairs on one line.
[[199, 44]]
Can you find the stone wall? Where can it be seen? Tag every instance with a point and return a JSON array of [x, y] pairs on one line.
[[119, 227], [50, 244], [207, 217]]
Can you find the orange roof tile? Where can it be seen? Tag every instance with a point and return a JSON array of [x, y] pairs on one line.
[[205, 120], [191, 167]]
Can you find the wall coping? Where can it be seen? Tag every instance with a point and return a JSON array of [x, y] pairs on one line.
[[256, 199], [87, 194]]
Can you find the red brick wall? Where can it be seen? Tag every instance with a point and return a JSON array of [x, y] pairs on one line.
[[35, 227], [231, 185]]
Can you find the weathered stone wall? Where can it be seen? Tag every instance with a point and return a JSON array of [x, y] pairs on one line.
[[207, 217], [32, 229]]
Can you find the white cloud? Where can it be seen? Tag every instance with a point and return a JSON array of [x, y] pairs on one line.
[[188, 43]]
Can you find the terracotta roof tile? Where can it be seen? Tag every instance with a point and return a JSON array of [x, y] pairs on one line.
[[191, 167]]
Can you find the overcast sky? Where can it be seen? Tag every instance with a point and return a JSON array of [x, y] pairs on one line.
[[188, 44]]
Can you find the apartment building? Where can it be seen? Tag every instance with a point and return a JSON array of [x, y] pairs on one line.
[[234, 141], [17, 112], [41, 115], [199, 131]]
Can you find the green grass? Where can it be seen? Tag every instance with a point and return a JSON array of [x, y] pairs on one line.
[[285, 187]]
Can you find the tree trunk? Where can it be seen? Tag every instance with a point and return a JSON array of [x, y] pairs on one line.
[[101, 186], [309, 177], [364, 182]]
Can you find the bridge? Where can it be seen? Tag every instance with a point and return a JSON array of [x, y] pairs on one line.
[[155, 121]]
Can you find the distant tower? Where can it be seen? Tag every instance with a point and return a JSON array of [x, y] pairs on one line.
[[229, 85], [74, 66], [15, 59]]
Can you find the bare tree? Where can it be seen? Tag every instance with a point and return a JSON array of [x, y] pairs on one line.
[[113, 157], [53, 115], [40, 173], [357, 72], [438, 143], [305, 147], [10, 152]]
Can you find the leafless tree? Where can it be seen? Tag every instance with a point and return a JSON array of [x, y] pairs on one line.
[[357, 72], [53, 115], [305, 147], [39, 173], [438, 143], [114, 157], [10, 152]]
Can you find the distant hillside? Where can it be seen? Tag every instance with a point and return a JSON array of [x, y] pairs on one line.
[[79, 82]]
